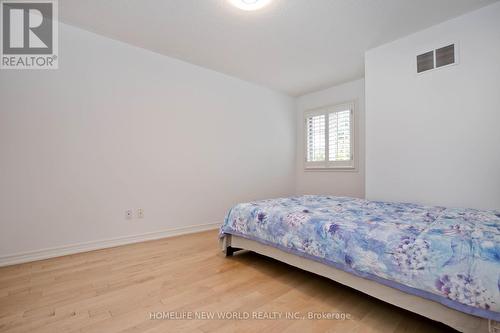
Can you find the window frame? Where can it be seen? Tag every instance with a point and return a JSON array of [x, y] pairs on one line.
[[327, 165]]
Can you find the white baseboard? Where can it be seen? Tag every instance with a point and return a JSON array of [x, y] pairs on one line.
[[19, 258]]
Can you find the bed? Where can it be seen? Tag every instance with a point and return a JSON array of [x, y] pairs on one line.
[[442, 263]]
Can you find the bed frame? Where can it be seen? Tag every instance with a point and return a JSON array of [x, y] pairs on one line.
[[458, 320]]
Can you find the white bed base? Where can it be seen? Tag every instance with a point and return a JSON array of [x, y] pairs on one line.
[[458, 320]]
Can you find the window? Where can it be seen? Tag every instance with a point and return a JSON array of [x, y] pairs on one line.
[[329, 137]]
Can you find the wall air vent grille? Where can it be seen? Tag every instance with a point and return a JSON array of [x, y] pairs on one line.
[[445, 55], [437, 58], [425, 61]]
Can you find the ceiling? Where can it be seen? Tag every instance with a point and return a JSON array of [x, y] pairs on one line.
[[293, 46]]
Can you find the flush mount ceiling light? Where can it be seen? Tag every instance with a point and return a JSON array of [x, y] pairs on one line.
[[249, 4]]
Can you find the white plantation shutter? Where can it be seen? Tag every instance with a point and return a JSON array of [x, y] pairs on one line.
[[316, 131], [340, 136], [329, 137]]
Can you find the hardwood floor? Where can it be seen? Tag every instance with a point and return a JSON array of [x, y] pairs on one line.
[[117, 289]]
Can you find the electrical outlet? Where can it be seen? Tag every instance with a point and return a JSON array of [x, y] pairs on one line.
[[140, 213], [128, 214]]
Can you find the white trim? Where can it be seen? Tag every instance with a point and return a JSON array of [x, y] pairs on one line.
[[19, 258]]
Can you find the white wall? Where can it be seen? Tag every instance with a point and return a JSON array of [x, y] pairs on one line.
[[338, 182], [435, 138], [119, 127]]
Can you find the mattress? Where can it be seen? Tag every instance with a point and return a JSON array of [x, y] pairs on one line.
[[448, 255]]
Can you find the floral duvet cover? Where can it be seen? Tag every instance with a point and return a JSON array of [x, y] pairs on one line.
[[448, 255]]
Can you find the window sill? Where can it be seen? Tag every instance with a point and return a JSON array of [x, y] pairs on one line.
[[338, 169]]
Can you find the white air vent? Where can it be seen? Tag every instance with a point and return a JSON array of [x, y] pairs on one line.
[[440, 57]]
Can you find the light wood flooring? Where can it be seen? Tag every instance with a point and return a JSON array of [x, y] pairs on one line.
[[116, 289]]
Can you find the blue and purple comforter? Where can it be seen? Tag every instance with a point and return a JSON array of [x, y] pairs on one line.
[[448, 255]]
